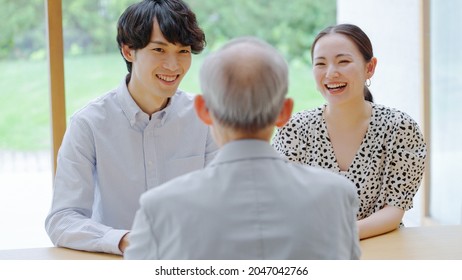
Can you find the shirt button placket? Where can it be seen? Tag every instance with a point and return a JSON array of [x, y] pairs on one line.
[[149, 156]]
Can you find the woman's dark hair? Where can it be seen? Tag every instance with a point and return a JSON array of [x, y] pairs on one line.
[[358, 37], [176, 21]]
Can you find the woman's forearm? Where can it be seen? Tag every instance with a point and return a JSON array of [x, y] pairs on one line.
[[382, 221]]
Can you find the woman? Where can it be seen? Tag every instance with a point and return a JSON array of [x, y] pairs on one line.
[[380, 149]]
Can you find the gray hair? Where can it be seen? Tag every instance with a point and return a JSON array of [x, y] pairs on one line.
[[244, 84]]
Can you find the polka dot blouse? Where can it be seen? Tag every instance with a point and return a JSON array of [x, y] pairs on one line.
[[387, 168]]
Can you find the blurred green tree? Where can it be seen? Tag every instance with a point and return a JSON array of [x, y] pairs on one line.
[[89, 25], [22, 28], [288, 25]]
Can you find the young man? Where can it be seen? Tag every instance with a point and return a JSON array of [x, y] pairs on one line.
[[249, 203], [134, 138]]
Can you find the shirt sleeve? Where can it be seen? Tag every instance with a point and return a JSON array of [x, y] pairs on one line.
[[287, 140], [69, 222], [142, 243], [405, 163]]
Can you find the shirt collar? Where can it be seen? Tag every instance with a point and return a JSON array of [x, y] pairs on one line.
[[134, 113], [128, 105], [245, 149]]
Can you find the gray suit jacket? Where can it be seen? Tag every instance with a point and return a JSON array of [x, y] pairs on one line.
[[249, 203]]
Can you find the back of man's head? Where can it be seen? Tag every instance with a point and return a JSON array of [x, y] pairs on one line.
[[244, 84]]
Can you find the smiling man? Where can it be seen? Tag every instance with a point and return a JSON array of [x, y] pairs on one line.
[[134, 138]]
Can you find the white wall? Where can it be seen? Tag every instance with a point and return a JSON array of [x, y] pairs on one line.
[[446, 118], [394, 29]]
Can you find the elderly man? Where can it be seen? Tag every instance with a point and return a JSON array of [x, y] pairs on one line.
[[249, 203]]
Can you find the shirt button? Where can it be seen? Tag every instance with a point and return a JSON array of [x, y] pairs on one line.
[[150, 163]]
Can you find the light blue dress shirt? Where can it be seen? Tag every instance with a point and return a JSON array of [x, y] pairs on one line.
[[249, 203], [112, 152]]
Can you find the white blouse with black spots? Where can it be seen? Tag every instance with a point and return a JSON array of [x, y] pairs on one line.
[[387, 168]]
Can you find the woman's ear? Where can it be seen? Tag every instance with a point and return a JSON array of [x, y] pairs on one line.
[[128, 53], [370, 67], [286, 112], [201, 110]]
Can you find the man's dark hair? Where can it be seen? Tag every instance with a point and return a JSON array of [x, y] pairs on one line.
[[176, 21]]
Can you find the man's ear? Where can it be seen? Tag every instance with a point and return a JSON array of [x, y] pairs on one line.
[[201, 110], [128, 53], [286, 112]]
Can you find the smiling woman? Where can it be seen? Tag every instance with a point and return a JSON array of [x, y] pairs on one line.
[[340, 75], [356, 62], [381, 150]]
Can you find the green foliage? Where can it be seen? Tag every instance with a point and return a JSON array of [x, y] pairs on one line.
[[22, 28], [89, 26], [288, 25]]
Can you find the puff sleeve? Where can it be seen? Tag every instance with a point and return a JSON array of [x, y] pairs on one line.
[[405, 163]]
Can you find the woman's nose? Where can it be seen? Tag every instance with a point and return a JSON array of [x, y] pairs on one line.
[[332, 71]]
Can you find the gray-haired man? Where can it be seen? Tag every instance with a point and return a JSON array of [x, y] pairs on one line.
[[249, 203]]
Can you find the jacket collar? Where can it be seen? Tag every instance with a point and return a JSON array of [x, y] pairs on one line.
[[245, 149]]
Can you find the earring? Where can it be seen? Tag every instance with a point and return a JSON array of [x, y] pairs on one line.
[[368, 83]]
